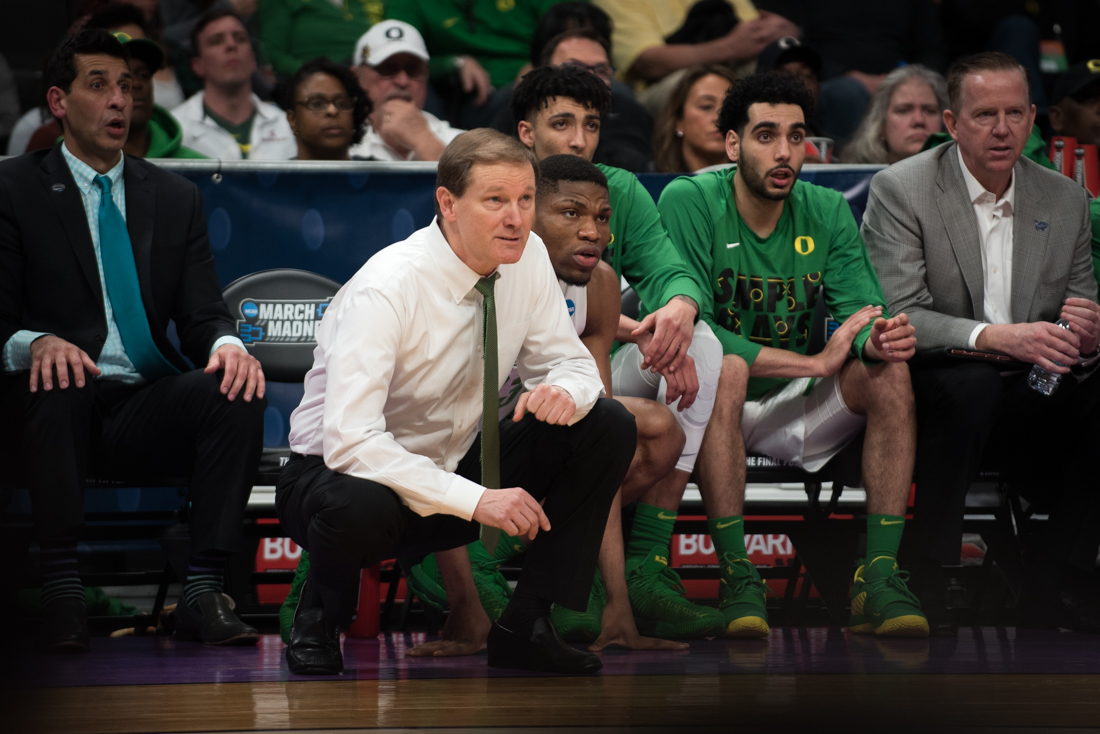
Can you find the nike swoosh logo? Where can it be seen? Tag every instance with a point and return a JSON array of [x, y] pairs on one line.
[[663, 516], [724, 525], [891, 522], [732, 245]]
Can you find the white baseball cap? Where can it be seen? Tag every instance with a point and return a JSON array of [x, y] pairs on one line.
[[386, 39]]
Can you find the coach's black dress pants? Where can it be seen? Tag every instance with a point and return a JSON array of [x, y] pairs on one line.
[[179, 426], [970, 417], [347, 523]]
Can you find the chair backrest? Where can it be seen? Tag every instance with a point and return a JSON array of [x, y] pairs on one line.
[[278, 312]]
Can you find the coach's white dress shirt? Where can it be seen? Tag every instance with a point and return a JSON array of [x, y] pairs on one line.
[[395, 393], [994, 219]]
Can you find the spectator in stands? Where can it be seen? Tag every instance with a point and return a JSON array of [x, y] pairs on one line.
[[180, 16], [392, 63], [767, 244], [226, 120], [654, 40], [904, 111], [1076, 108], [154, 132], [792, 56], [387, 460], [569, 16], [687, 137], [476, 46], [128, 16], [860, 42], [293, 31], [327, 110], [985, 249], [95, 263]]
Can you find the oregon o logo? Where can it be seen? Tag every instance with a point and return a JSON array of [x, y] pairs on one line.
[[395, 33], [505, 5], [1094, 66], [803, 245]]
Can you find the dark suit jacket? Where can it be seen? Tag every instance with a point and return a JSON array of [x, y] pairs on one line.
[[49, 280]]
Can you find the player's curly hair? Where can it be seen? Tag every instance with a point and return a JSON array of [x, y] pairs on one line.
[[321, 65], [771, 87], [539, 86]]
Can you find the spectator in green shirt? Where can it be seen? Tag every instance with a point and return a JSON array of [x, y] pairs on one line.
[[294, 31]]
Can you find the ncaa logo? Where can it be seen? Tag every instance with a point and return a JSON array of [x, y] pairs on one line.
[[250, 310], [803, 245], [572, 306]]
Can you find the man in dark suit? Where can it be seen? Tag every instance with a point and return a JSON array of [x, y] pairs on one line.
[[985, 250], [98, 252]]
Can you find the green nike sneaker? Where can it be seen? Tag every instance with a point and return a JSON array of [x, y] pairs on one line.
[[882, 604], [660, 608], [582, 626], [742, 598], [425, 581], [286, 611], [492, 588]]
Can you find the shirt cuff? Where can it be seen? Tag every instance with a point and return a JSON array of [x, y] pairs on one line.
[[17, 351], [1088, 360], [462, 498], [227, 340], [972, 343]]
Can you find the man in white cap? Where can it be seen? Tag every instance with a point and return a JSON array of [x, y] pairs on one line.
[[392, 63]]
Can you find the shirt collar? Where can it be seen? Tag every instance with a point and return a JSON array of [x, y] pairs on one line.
[[85, 175], [976, 191], [459, 278]]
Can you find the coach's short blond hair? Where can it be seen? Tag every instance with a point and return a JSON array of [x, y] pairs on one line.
[[485, 146]]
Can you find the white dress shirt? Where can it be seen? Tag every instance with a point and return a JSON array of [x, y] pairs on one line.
[[994, 219], [373, 147], [395, 393]]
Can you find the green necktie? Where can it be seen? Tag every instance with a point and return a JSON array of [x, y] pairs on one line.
[[490, 408], [120, 276]]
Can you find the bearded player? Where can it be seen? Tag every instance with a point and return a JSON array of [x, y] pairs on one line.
[[767, 246]]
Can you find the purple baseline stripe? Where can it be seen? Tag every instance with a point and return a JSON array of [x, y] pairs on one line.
[[788, 651]]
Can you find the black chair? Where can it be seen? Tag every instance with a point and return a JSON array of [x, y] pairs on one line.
[[277, 313]]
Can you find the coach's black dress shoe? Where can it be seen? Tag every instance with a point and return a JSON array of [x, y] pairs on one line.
[[1065, 608], [214, 623], [65, 627], [543, 651], [314, 647]]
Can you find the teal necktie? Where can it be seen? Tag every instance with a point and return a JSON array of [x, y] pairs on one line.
[[120, 275], [490, 408]]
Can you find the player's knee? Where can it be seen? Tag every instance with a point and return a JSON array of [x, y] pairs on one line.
[[890, 385], [733, 384]]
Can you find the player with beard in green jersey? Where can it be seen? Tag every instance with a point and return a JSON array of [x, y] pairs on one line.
[[765, 246]]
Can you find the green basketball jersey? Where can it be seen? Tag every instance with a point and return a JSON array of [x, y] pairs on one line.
[[763, 291]]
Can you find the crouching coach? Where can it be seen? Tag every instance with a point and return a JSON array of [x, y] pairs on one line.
[[389, 461]]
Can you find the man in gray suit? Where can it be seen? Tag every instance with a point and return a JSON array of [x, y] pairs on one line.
[[985, 250]]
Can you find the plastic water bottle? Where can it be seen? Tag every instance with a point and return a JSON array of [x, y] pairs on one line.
[[1042, 380]]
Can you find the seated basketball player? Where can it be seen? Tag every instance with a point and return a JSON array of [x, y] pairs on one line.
[[766, 244]]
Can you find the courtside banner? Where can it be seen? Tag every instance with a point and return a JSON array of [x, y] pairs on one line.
[[330, 217]]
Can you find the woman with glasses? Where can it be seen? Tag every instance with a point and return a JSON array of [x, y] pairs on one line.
[[327, 111]]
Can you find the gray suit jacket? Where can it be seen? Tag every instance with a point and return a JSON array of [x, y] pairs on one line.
[[922, 235]]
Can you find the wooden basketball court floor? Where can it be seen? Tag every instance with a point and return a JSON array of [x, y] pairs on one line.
[[799, 679]]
